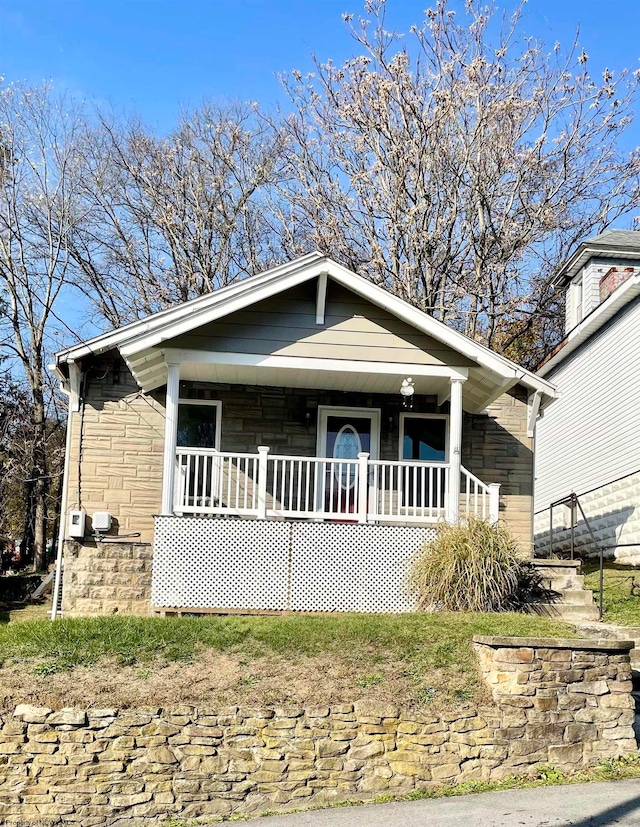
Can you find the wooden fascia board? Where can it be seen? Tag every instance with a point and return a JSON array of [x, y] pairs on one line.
[[311, 363]]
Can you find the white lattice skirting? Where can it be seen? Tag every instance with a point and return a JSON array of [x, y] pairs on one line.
[[276, 565]]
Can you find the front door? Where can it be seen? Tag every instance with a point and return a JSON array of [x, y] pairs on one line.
[[343, 433]]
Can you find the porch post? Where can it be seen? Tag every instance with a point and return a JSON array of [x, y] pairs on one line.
[[455, 450], [494, 502], [263, 456], [170, 435], [363, 485]]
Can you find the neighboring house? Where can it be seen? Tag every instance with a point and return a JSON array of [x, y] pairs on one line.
[[588, 441], [287, 442]]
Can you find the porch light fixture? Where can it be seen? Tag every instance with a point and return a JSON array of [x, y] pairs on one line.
[[407, 391]]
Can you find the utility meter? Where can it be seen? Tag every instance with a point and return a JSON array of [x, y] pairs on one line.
[[76, 524]]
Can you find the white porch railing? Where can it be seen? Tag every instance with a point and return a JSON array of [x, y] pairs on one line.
[[363, 490]]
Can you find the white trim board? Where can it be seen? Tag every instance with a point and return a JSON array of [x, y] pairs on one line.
[[313, 363]]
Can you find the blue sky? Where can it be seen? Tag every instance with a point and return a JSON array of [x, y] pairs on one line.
[[152, 56]]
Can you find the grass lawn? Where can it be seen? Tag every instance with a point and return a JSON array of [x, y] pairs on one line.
[[621, 592], [421, 659]]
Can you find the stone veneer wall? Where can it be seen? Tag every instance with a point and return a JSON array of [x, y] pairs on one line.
[[613, 511], [118, 466], [566, 702], [496, 448], [104, 578]]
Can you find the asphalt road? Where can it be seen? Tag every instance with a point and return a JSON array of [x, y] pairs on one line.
[[578, 805]]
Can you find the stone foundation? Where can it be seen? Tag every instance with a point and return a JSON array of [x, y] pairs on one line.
[[104, 578], [563, 702]]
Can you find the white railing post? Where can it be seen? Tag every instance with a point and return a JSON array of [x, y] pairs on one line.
[[263, 454], [170, 436], [455, 450], [494, 502], [363, 486]]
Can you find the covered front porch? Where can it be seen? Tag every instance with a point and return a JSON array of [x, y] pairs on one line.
[[378, 458]]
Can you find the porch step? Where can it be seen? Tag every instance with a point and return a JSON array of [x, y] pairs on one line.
[[568, 599], [563, 582], [577, 597], [556, 566], [572, 612]]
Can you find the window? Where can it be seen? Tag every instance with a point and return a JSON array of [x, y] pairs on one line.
[[198, 423], [198, 429], [423, 438]]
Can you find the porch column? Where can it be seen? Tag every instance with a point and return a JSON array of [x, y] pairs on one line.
[[455, 450], [170, 434]]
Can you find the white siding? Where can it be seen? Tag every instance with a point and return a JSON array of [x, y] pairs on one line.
[[591, 435]]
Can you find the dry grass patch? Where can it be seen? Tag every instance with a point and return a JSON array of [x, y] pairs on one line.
[[413, 659]]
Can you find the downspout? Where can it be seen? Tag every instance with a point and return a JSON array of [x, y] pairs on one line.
[[74, 405]]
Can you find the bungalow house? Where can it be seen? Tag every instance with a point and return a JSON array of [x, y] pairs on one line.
[[588, 441], [285, 443]]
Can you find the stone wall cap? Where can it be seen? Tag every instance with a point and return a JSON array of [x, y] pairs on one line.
[[561, 564], [605, 645]]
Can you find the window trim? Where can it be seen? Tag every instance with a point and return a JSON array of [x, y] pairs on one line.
[[405, 416], [214, 403], [577, 288]]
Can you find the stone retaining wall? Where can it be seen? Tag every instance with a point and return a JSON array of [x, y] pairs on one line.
[[566, 702]]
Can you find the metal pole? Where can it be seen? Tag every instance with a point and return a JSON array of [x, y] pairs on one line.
[[573, 524], [601, 550], [551, 531]]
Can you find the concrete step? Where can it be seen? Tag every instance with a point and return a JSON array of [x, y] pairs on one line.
[[631, 633], [574, 613], [558, 572], [576, 597], [562, 582]]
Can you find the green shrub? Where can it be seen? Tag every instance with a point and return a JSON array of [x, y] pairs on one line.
[[469, 566]]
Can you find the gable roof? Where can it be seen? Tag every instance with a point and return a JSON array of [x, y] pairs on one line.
[[150, 334], [620, 244]]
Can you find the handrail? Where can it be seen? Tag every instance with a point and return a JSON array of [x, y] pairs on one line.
[[571, 502], [213, 452]]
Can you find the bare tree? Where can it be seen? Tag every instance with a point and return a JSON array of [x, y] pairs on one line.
[[169, 219], [457, 168], [38, 207]]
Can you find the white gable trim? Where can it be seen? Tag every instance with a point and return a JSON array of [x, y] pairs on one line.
[[191, 309], [168, 324]]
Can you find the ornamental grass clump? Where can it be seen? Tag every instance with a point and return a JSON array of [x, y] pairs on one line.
[[469, 566]]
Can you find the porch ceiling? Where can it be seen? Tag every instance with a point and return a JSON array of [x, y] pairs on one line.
[[481, 387]]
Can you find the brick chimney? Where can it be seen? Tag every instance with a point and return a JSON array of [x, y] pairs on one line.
[[612, 279]]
